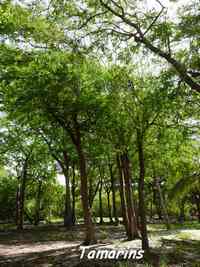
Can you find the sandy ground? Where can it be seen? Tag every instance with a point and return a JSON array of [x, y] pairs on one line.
[[57, 249], [23, 249]]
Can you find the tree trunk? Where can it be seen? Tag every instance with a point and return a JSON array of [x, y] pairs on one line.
[[90, 232], [181, 218], [141, 39], [38, 203], [179, 67], [100, 202], [68, 217], [73, 196], [17, 202], [109, 206], [22, 196], [162, 203], [151, 208], [68, 220], [122, 195], [142, 209], [132, 221], [157, 203], [90, 191], [197, 201], [112, 179]]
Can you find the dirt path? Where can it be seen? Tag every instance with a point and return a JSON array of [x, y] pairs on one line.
[[23, 249], [56, 246]]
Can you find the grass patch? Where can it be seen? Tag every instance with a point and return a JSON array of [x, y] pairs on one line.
[[7, 226], [195, 225], [183, 236]]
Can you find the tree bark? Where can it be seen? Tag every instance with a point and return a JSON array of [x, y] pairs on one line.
[[151, 207], [181, 217], [197, 201], [132, 221], [92, 191], [179, 67], [122, 195], [142, 209], [75, 135], [17, 202], [139, 37], [162, 202], [112, 179], [73, 195], [90, 232], [38, 203], [157, 203], [68, 220], [22, 188], [109, 206], [100, 202]]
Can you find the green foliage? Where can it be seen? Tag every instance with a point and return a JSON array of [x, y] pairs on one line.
[[52, 82], [8, 188]]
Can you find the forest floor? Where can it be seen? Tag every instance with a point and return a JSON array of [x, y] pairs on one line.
[[53, 245]]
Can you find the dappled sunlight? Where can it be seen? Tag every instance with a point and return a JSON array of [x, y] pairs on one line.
[[182, 243]]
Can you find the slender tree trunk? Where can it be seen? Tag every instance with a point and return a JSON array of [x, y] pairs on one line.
[[137, 214], [22, 196], [21, 204], [73, 196], [162, 203], [100, 202], [181, 217], [109, 206], [68, 221], [132, 225], [151, 208], [197, 201], [17, 202], [90, 192], [112, 179], [68, 216], [38, 203], [122, 195], [157, 203], [90, 232], [142, 209]]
